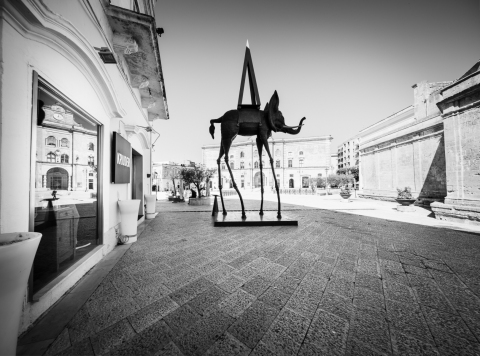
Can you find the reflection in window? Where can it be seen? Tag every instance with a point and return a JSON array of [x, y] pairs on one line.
[[64, 142], [64, 158], [91, 146], [51, 141], [51, 157]]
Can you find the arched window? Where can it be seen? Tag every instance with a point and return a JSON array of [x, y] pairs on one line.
[[232, 165], [64, 158], [255, 152], [256, 164], [277, 152], [277, 164], [91, 146], [231, 156], [290, 154], [51, 141], [290, 163], [51, 157], [242, 154], [64, 142], [300, 153], [242, 165]]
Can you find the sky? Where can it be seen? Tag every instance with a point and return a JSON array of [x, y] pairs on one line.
[[342, 64]]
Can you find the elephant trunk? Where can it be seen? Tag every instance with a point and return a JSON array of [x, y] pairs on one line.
[[293, 130]]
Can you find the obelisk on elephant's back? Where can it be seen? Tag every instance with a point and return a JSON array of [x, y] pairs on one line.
[[249, 120]]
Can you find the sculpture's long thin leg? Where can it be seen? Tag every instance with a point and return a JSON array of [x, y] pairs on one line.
[[220, 178], [265, 143], [235, 186], [259, 147]]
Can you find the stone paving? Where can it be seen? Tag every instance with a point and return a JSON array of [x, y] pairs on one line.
[[339, 284]]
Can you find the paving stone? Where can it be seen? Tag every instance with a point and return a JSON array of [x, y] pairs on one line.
[[328, 333], [262, 350], [231, 284], [236, 303], [246, 273], [370, 282], [338, 305], [368, 267], [191, 290], [149, 341], [83, 347], [169, 350], [286, 333], [228, 345], [272, 271], [357, 348], [253, 323], [398, 292], [404, 345], [340, 285], [219, 274], [437, 265], [409, 319], [207, 300], [204, 333], [111, 337], [274, 298], [181, 319], [442, 324], [286, 283], [372, 330], [367, 300], [257, 285], [145, 317], [61, 343], [428, 293]]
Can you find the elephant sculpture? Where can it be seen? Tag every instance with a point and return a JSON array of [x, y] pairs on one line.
[[250, 121]]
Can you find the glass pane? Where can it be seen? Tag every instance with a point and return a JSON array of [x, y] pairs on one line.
[[65, 186]]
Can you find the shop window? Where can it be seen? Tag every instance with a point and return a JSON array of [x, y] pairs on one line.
[[51, 141], [51, 157], [68, 223], [277, 164], [255, 165], [91, 146], [289, 163]]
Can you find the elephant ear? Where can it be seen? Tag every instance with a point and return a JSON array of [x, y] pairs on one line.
[[272, 110]]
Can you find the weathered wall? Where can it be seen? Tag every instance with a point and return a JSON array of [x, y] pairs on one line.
[[416, 160]]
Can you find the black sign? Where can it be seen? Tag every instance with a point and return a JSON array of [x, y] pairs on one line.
[[121, 159]]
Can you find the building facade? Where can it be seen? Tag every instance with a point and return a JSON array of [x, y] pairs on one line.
[[406, 149], [73, 75], [348, 153], [295, 160], [166, 175]]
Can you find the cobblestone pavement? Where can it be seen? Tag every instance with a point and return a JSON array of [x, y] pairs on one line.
[[339, 284]]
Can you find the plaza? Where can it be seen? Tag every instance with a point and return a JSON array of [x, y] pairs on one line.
[[341, 283]]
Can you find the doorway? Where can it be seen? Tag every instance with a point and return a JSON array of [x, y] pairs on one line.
[[290, 183], [137, 180], [57, 179], [257, 182]]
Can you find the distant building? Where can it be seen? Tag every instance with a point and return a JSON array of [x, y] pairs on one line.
[[295, 161], [333, 163], [348, 153], [165, 174]]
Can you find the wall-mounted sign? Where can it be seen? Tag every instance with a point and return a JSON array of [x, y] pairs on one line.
[[121, 159]]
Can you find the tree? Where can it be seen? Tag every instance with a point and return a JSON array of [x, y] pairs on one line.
[[196, 175], [353, 170], [174, 173]]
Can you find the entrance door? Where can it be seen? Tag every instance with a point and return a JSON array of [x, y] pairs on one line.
[[137, 180], [304, 182], [256, 180], [57, 179], [290, 183]]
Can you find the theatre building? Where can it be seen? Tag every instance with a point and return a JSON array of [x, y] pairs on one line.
[[75, 75], [296, 160]]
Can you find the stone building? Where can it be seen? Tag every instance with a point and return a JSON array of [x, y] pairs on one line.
[[348, 153], [296, 160], [459, 104], [165, 173], [406, 149]]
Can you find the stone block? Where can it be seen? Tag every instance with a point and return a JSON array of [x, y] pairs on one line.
[[456, 213]]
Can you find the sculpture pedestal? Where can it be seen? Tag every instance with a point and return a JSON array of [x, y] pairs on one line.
[[253, 219]]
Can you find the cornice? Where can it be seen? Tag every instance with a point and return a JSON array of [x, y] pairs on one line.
[[35, 21]]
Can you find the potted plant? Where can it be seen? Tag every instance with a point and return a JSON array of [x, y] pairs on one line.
[[197, 175], [345, 192], [128, 219], [17, 251], [405, 197]]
